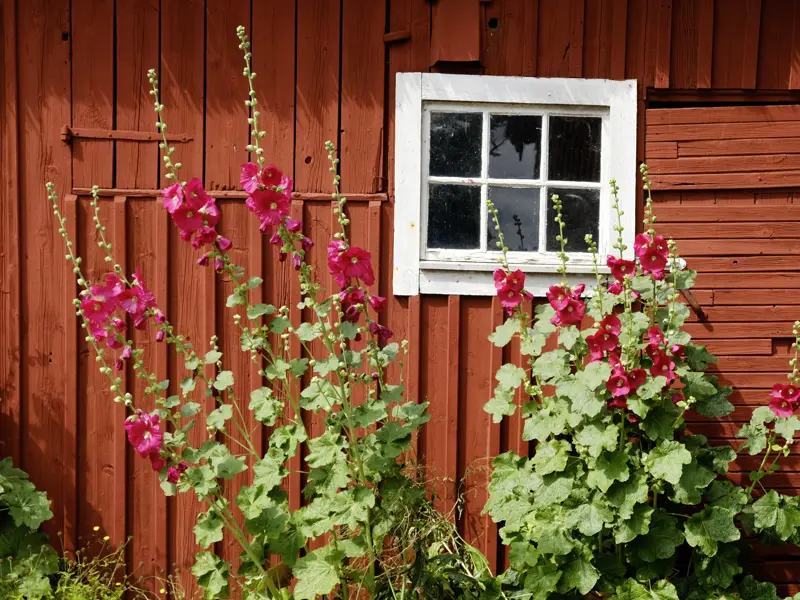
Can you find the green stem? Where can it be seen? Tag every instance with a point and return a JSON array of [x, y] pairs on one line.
[[770, 438]]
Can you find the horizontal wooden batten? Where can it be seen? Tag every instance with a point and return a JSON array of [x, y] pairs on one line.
[[722, 131], [736, 347], [721, 181], [727, 213], [734, 147], [662, 150], [723, 164], [69, 133], [734, 281], [721, 114], [746, 264], [749, 380], [746, 297], [737, 247], [775, 363], [305, 196], [739, 330], [734, 231], [748, 312]]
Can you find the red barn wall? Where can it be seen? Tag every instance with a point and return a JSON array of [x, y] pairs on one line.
[[326, 70]]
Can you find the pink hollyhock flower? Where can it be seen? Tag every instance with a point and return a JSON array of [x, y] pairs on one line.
[[611, 324], [382, 333], [287, 185], [618, 402], [378, 303], [275, 239], [293, 225], [218, 265], [781, 408], [98, 331], [119, 324], [269, 206], [620, 268], [654, 352], [558, 297], [595, 351], [351, 304], [676, 397], [633, 419], [173, 197], [509, 281], [271, 176], [96, 310], [571, 314], [174, 473], [203, 260], [249, 177], [282, 256], [186, 236], [509, 299], [137, 300], [578, 290], [603, 340], [636, 377], [351, 262], [790, 393], [307, 243], [655, 336], [640, 242], [111, 290], [614, 360], [118, 364], [296, 262], [205, 235], [196, 211], [653, 263], [159, 317], [615, 288], [160, 335], [677, 350], [224, 243], [618, 384], [127, 352], [157, 462], [144, 433], [663, 365]]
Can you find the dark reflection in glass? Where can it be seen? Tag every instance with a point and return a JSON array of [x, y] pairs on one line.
[[454, 216], [581, 213], [518, 213], [456, 144], [574, 151], [515, 146]]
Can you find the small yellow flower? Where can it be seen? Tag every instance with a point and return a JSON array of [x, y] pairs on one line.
[[96, 528], [106, 538], [162, 591]]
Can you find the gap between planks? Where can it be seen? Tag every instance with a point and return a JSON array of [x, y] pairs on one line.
[[304, 196]]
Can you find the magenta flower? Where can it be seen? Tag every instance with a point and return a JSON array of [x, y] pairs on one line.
[[790, 393], [275, 238], [144, 433], [159, 317], [218, 265], [781, 408], [174, 473], [205, 235], [620, 268], [378, 303], [111, 290], [269, 206], [307, 243], [296, 261], [287, 185], [249, 177], [636, 377], [351, 304], [293, 225], [382, 333], [160, 335], [509, 281], [655, 336], [127, 352], [224, 243], [571, 314], [663, 365], [347, 262], [156, 461], [611, 324], [173, 197], [618, 402], [615, 288], [676, 350], [558, 297], [652, 254], [118, 364], [96, 310], [606, 341], [203, 260], [271, 176], [676, 397], [618, 384], [595, 351]]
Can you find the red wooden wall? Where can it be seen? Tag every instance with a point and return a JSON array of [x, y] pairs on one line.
[[326, 71]]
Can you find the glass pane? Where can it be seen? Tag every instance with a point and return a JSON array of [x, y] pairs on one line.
[[456, 144], [454, 216], [581, 213], [518, 213], [574, 150], [515, 148]]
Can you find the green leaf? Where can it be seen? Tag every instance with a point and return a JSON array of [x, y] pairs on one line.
[[779, 512], [510, 376], [501, 404], [662, 538], [172, 401], [594, 375], [661, 422], [504, 332], [254, 282], [590, 517], [666, 461], [212, 575], [595, 437], [235, 300], [259, 310], [319, 395], [212, 356], [317, 573], [727, 495], [706, 529], [698, 385], [217, 418], [192, 363], [551, 456], [190, 409], [567, 336], [697, 357], [610, 467], [626, 495], [638, 524], [541, 582], [188, 385], [718, 571], [223, 381], [227, 467], [543, 423], [348, 330], [551, 366], [750, 589], [694, 479], [786, 427], [265, 406], [633, 590], [326, 365], [579, 574], [278, 325], [583, 400], [209, 529], [325, 449], [715, 405], [651, 387], [307, 332]]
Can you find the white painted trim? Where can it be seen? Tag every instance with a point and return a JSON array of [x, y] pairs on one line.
[[469, 273]]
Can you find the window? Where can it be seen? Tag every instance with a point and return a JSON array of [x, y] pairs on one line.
[[463, 139]]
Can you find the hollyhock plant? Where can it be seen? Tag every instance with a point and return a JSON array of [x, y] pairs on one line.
[[620, 268], [270, 206]]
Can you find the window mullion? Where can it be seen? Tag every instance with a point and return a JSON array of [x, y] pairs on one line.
[[485, 133], [543, 175]]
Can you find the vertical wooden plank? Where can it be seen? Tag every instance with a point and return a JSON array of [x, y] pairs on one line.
[[511, 46], [794, 69], [635, 44], [137, 51], [10, 283], [273, 46], [604, 39], [560, 44], [455, 31], [182, 79], [618, 39], [684, 45], [705, 42], [362, 96], [317, 91], [44, 99], [752, 26], [664, 42], [92, 89]]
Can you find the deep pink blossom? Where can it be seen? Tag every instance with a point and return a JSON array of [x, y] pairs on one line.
[[296, 261], [293, 225], [205, 235], [655, 336], [350, 262], [118, 364], [307, 243], [275, 239], [615, 288], [604, 340], [173, 197], [652, 254], [351, 304], [620, 268], [571, 314], [249, 177], [127, 352], [611, 324], [789, 392], [159, 317], [160, 335], [676, 397], [636, 377], [595, 351], [157, 462], [664, 366], [781, 407], [382, 333], [96, 310], [144, 433], [269, 206], [618, 384], [676, 350], [271, 176], [218, 265], [632, 418], [514, 280], [174, 473], [618, 402], [282, 256], [224, 243], [203, 260], [378, 303], [558, 297], [287, 185]]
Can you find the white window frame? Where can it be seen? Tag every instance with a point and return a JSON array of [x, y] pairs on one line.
[[469, 272]]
